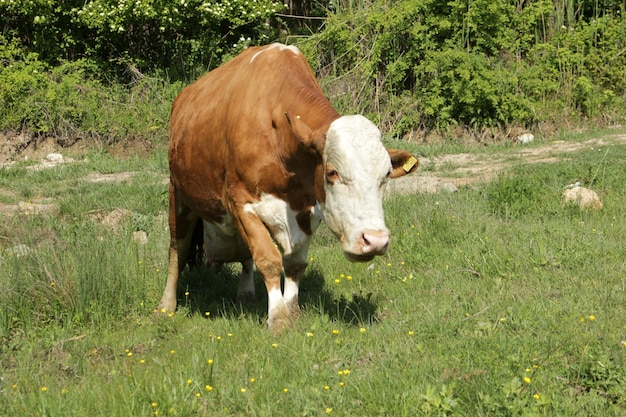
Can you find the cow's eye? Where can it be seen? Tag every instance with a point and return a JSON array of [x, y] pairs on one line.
[[331, 174]]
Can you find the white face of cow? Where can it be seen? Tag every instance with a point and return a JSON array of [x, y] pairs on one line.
[[357, 167]]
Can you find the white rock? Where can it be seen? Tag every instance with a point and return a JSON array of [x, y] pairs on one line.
[[583, 197], [140, 237], [55, 158], [526, 138]]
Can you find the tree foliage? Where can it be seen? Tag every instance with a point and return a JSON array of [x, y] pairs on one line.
[[477, 63], [408, 64], [172, 35]]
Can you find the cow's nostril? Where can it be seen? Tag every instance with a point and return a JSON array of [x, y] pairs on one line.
[[375, 242]]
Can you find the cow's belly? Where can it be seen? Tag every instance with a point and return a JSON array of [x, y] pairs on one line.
[[282, 223], [223, 243]]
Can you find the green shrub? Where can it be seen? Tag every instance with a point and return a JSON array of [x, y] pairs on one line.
[[408, 65], [69, 101], [427, 64], [178, 36]]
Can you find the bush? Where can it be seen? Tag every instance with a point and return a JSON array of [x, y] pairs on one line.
[[427, 64], [408, 65], [178, 36], [67, 101]]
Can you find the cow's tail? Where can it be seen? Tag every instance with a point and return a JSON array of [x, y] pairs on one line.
[[195, 255]]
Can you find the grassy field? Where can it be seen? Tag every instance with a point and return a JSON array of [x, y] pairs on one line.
[[495, 300]]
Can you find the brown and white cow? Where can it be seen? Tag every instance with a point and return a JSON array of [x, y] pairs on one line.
[[257, 151]]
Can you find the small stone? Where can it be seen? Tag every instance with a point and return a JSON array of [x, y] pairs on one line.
[[140, 237], [55, 158], [583, 197], [526, 138]]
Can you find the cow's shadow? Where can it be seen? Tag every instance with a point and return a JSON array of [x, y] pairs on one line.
[[204, 291]]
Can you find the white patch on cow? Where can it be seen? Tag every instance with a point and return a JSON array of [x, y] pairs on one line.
[[353, 207], [280, 219], [275, 300], [290, 290], [280, 47], [223, 243]]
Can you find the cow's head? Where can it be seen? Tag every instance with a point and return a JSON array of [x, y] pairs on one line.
[[356, 168]]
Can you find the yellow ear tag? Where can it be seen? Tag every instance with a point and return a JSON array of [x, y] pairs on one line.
[[409, 164]]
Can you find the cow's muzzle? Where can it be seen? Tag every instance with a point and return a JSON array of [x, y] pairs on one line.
[[370, 244]]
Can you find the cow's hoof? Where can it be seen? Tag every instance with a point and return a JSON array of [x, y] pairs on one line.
[[279, 319], [166, 307], [294, 308]]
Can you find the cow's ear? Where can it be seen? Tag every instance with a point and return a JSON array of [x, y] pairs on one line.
[[305, 134], [402, 163]]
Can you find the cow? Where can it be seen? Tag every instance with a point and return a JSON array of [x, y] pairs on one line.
[[260, 156]]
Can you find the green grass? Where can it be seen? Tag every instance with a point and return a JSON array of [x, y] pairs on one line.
[[492, 301]]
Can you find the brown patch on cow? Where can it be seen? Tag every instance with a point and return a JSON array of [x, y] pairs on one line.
[[304, 221]]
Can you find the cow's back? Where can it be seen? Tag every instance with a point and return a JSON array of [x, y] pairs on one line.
[[228, 129]]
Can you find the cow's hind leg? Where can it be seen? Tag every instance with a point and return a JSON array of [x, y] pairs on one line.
[[182, 223], [245, 291]]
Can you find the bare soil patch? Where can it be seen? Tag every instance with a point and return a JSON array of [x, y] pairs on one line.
[[446, 173], [443, 173]]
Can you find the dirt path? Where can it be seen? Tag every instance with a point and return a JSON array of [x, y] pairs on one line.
[[443, 173], [448, 172]]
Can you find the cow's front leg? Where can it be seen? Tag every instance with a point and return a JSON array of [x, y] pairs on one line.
[[268, 262], [294, 267]]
